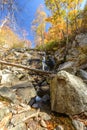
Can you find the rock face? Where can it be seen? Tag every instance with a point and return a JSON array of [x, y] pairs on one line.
[[77, 52], [82, 39], [82, 74], [68, 94], [8, 77]]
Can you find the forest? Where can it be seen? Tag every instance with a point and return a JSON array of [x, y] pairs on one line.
[[66, 19]]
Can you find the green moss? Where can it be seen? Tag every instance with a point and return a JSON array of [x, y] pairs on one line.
[[51, 46]]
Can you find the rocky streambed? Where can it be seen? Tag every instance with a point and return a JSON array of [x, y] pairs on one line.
[[31, 101]]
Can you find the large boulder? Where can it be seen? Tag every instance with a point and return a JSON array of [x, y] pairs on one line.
[[25, 90], [68, 94], [67, 66]]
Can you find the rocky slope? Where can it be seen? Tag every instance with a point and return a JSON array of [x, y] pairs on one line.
[[25, 95]]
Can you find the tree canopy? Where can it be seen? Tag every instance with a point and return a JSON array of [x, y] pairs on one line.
[[66, 18]]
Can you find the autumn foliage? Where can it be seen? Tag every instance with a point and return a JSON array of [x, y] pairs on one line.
[[66, 19], [84, 19], [9, 39]]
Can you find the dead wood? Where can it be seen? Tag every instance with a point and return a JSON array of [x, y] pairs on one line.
[[26, 68]]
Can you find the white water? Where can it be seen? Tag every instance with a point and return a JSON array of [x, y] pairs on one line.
[[44, 62]]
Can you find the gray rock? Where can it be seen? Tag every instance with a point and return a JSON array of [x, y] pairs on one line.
[[44, 83], [20, 76], [26, 94], [82, 74], [8, 94], [18, 118], [8, 77], [32, 101], [78, 125], [22, 84], [43, 90], [35, 105], [59, 127], [37, 98], [68, 94], [21, 126], [3, 112], [24, 62], [33, 125], [82, 39], [68, 66], [45, 98]]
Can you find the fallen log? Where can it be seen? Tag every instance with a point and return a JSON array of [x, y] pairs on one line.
[[26, 68]]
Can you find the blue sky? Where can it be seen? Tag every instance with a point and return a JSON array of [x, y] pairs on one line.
[[27, 13], [84, 3], [24, 15]]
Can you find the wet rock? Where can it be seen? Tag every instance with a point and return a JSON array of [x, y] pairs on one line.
[[68, 94], [43, 90], [44, 83], [38, 99], [46, 98], [35, 105], [78, 125], [32, 101]]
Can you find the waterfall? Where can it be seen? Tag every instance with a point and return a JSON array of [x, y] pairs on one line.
[[44, 66]]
